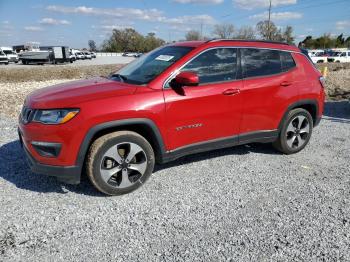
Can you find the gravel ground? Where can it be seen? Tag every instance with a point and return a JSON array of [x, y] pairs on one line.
[[246, 203], [13, 94]]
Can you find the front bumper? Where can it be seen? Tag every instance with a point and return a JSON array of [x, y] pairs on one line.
[[66, 174], [13, 59]]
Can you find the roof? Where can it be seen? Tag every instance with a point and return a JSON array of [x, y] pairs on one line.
[[189, 43], [241, 42]]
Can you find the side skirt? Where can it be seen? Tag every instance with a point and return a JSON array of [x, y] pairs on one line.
[[252, 137]]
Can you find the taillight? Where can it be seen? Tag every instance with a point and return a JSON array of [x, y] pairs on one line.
[[323, 81]]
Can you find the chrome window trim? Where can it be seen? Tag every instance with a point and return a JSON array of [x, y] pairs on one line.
[[174, 73]]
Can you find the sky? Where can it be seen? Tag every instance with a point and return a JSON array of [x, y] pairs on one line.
[[75, 22]]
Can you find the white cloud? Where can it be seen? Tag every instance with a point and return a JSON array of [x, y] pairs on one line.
[[211, 2], [192, 20], [122, 13], [33, 28], [341, 25], [277, 16], [301, 36], [6, 22], [111, 27], [251, 4], [51, 21], [120, 18]]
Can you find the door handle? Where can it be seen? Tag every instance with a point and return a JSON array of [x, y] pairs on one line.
[[229, 92], [285, 83]]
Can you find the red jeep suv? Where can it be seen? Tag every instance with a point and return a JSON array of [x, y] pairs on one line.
[[179, 99]]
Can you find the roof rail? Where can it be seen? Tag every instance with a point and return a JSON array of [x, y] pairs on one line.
[[247, 40]]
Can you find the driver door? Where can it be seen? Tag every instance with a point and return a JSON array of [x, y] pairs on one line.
[[210, 110]]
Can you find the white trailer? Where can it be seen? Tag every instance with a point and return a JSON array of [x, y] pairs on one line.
[[46, 54]]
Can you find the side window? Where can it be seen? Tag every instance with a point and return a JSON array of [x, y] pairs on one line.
[[343, 54], [260, 62], [287, 61], [215, 65]]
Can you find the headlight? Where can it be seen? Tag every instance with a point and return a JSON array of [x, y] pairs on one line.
[[54, 116]]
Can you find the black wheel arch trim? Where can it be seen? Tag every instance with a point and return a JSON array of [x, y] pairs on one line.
[[84, 147], [303, 102]]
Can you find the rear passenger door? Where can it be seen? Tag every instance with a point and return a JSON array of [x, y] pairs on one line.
[[269, 86]]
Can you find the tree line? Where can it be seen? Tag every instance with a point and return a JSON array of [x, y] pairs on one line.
[[325, 42], [264, 30], [129, 40]]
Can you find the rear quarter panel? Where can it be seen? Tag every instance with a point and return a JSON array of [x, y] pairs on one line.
[[310, 87]]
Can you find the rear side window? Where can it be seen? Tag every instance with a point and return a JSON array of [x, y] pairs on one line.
[[260, 62], [287, 61], [214, 65]]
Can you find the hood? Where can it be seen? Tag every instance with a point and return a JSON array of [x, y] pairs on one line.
[[70, 94]]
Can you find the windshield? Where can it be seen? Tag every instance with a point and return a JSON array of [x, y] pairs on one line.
[[8, 52], [334, 53], [143, 70]]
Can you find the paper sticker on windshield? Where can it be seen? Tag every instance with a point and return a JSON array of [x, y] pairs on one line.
[[165, 57]]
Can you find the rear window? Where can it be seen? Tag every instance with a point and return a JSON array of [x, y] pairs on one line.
[[260, 62], [287, 61]]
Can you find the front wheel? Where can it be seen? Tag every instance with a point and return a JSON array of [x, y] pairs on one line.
[[120, 162], [295, 132]]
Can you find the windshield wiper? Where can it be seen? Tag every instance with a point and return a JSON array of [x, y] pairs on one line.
[[121, 77]]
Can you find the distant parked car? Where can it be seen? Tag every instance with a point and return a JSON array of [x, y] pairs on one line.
[[319, 57], [93, 54], [11, 55], [80, 55], [339, 57], [87, 55], [127, 54], [138, 54], [72, 57], [314, 52], [3, 58]]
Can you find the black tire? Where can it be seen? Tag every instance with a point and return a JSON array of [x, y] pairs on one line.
[[96, 159], [283, 141]]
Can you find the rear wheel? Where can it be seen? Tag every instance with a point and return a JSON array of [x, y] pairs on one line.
[[296, 131], [120, 162]]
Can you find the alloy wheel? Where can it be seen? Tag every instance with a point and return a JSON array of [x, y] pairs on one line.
[[122, 165], [297, 132]]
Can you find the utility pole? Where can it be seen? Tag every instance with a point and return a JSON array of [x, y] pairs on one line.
[[201, 36], [269, 23]]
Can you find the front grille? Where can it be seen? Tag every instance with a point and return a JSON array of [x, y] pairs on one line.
[[27, 115]]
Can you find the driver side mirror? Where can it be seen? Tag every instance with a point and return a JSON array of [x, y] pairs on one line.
[[186, 79]]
